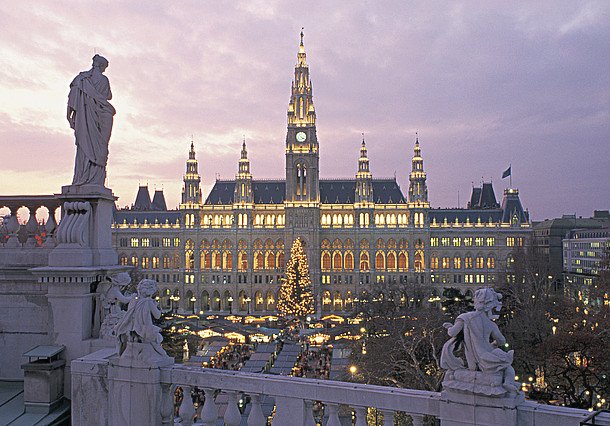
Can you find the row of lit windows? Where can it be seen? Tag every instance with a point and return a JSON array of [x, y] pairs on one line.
[[390, 261], [135, 242], [217, 260], [154, 262], [459, 241], [457, 263]]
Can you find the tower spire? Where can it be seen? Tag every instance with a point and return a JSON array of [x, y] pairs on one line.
[[243, 180], [364, 177], [418, 190], [191, 192]]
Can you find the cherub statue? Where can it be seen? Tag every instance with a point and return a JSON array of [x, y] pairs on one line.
[[136, 325], [481, 339], [110, 303]]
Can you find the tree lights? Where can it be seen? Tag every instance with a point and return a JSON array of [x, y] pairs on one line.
[[295, 296]]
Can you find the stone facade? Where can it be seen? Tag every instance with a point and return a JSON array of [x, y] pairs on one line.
[[227, 252]]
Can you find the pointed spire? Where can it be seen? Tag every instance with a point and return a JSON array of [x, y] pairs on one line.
[[301, 111]]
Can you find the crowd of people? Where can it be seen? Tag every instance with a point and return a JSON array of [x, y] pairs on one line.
[[314, 363], [232, 357]]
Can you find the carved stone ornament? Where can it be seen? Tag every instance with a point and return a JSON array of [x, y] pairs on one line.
[[488, 369]]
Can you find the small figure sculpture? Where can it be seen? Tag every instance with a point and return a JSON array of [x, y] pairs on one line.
[[136, 325], [90, 115], [482, 340], [111, 301]]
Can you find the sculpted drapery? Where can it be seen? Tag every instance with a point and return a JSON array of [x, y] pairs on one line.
[[91, 115]]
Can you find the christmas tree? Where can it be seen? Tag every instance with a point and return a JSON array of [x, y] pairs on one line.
[[295, 299]]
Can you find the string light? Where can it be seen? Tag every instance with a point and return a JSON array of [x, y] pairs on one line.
[[295, 297]]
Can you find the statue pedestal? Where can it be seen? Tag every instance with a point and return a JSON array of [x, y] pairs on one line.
[[477, 399], [134, 385], [84, 235]]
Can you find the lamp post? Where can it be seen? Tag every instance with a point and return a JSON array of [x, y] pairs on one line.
[[247, 300], [177, 300], [193, 299], [230, 300], [353, 369]]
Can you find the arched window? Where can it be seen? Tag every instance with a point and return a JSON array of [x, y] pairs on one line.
[[337, 261], [326, 261], [418, 263], [457, 263], [433, 262], [403, 261], [391, 260], [216, 260], [349, 261], [491, 262], [258, 261], [280, 260], [242, 261], [338, 302], [206, 260], [270, 260], [364, 262], [326, 301], [227, 261], [380, 261]]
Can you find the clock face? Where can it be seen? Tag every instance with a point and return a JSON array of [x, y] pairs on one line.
[[301, 136]]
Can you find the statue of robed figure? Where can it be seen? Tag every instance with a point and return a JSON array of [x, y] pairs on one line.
[[90, 115]]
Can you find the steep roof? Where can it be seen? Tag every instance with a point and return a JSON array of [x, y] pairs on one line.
[[333, 191], [142, 199], [158, 202], [150, 216]]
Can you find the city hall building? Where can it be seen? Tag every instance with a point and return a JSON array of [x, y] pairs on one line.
[[226, 252]]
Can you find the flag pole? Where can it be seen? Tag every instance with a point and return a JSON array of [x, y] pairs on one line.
[[510, 166]]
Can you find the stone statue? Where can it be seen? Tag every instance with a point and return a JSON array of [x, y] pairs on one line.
[[136, 325], [489, 369], [110, 303], [90, 115]]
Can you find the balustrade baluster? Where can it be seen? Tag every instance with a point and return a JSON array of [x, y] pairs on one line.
[[417, 419], [388, 418], [232, 414], [32, 228], [167, 404], [13, 229], [256, 417], [187, 410], [50, 227], [309, 419], [333, 415], [209, 412], [361, 413]]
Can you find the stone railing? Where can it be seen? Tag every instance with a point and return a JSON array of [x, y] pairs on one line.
[[106, 390], [294, 399], [31, 236]]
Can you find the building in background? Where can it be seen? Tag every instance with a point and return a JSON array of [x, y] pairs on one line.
[[585, 257], [361, 235]]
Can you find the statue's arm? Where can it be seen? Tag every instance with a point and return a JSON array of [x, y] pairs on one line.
[[497, 335], [71, 116], [454, 330], [154, 310]]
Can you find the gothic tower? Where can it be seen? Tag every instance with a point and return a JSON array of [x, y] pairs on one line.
[[191, 190], [302, 156], [243, 198], [364, 184], [418, 190]]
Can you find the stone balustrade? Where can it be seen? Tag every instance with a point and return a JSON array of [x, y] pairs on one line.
[[294, 398], [31, 236]]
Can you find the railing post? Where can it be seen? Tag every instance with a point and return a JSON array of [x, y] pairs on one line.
[[232, 414], [167, 404], [388, 418], [209, 412], [288, 411], [361, 416], [333, 415], [417, 419], [187, 410], [309, 419], [256, 417]]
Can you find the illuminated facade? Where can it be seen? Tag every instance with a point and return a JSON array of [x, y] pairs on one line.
[[227, 253]]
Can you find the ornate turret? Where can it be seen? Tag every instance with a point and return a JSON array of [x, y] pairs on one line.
[[418, 190], [191, 191], [302, 156], [243, 179], [364, 184]]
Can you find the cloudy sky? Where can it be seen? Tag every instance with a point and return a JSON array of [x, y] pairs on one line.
[[485, 85]]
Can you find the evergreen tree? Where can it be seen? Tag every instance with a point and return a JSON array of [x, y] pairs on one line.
[[295, 299]]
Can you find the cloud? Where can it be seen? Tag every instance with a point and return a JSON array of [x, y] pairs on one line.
[[485, 86]]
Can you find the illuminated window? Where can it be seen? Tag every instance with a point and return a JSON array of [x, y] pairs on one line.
[[468, 241], [326, 261], [510, 241], [391, 261], [364, 262], [468, 262], [434, 262], [176, 242], [457, 263], [135, 242], [166, 241], [349, 261], [145, 242], [379, 261], [403, 261], [491, 241], [480, 263], [155, 262], [520, 242], [445, 241], [446, 263], [478, 241], [337, 261], [134, 260], [491, 263], [434, 242], [457, 241]]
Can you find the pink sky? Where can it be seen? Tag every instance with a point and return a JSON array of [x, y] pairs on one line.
[[485, 85]]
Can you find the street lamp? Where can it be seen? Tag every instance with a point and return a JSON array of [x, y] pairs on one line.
[[177, 300], [230, 300], [192, 299], [247, 300], [353, 369]]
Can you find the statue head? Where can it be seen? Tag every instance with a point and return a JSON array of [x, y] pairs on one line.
[[487, 300], [146, 288], [100, 62], [121, 279]]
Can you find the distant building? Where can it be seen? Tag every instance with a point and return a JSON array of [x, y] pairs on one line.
[[549, 235], [363, 234], [585, 256]]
